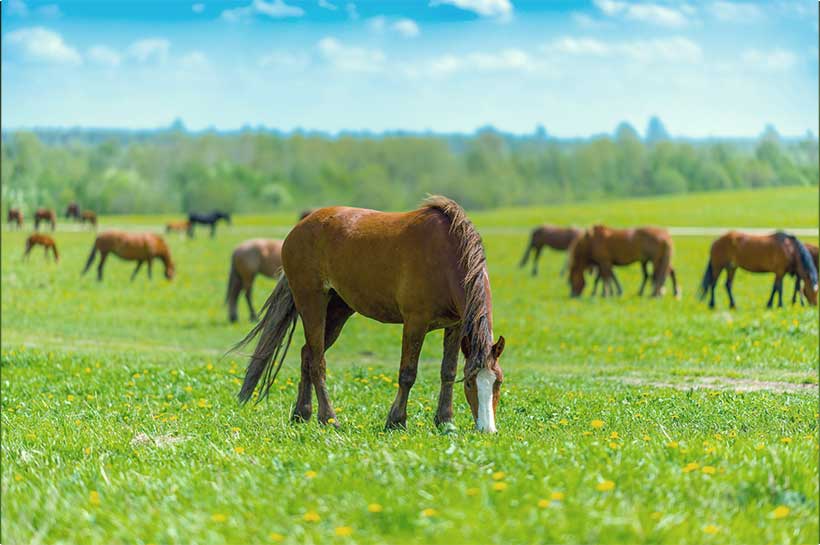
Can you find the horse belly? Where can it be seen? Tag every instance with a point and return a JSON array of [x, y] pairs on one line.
[[369, 303]]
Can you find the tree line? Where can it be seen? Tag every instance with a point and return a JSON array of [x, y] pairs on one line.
[[173, 171]]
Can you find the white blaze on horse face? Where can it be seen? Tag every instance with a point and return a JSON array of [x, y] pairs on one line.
[[486, 417]]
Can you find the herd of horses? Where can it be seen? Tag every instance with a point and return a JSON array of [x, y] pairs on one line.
[[425, 269]]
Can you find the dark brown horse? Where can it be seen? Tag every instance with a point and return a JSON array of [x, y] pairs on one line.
[[607, 247], [45, 214], [557, 238], [425, 269], [41, 240], [15, 217], [139, 247], [87, 216], [252, 257], [813, 250], [778, 253], [72, 211]]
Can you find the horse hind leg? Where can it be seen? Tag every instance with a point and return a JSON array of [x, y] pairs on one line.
[[449, 367], [645, 278], [730, 280], [136, 270], [103, 256], [535, 259], [411, 343]]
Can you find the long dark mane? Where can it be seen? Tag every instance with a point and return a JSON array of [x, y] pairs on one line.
[[473, 262], [805, 258]]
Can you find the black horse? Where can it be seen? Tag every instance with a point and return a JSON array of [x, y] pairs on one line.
[[206, 219]]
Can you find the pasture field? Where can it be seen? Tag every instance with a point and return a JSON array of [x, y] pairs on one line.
[[622, 420]]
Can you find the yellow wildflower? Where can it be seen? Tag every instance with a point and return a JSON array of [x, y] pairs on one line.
[[597, 424], [605, 486], [311, 516], [429, 512], [343, 531], [781, 512], [374, 508], [711, 529]]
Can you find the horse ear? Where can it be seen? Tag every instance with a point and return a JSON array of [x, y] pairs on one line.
[[465, 347], [498, 347]]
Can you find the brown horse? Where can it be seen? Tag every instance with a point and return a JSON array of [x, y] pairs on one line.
[[45, 241], [252, 257], [607, 247], [87, 216], [15, 217], [814, 251], [177, 226], [139, 247], [778, 253], [72, 211], [557, 238], [424, 269], [45, 214]]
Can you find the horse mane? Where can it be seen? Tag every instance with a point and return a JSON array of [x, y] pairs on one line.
[[475, 322], [802, 253]]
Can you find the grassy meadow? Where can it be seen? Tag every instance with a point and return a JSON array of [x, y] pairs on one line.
[[622, 420]]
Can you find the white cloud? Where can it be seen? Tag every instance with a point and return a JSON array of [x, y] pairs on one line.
[[193, 60], [284, 59], [735, 12], [198, 8], [406, 27], [585, 21], [774, 60], [645, 12], [673, 49], [350, 58], [327, 5], [150, 49], [276, 9], [504, 60], [501, 9], [378, 23], [352, 11], [103, 55], [41, 44]]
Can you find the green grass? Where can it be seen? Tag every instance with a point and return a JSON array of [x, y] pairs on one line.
[[119, 421]]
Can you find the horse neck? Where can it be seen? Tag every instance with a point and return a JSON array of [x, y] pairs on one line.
[[477, 322]]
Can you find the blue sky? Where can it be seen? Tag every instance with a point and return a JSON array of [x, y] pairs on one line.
[[706, 67]]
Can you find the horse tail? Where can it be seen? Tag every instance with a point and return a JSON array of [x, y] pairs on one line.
[[707, 281], [528, 251], [90, 258], [234, 283], [280, 316], [664, 265], [805, 258]]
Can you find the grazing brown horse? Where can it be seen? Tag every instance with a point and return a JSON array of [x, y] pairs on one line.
[[177, 226], [424, 269], [139, 247], [814, 251], [557, 238], [87, 216], [15, 217], [45, 214], [73, 211], [41, 240], [252, 257], [607, 247], [778, 253]]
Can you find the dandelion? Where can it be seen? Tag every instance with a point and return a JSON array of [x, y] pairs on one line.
[[429, 512], [557, 496], [543, 504], [614, 435], [472, 491], [709, 470], [563, 421], [672, 444], [239, 450], [94, 498], [781, 512], [235, 429], [785, 440], [498, 487], [605, 486], [374, 508], [647, 438], [760, 446], [343, 531], [597, 424], [310, 474], [219, 517], [70, 398], [691, 466], [311, 516], [87, 450], [18, 477], [613, 445], [276, 537], [711, 529], [498, 475], [189, 389]]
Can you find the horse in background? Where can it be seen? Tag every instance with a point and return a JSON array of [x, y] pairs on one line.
[[47, 215], [557, 238], [45, 241], [606, 248], [206, 219], [424, 269], [15, 217], [252, 257], [139, 247], [813, 250], [177, 226], [778, 253], [89, 217], [72, 211]]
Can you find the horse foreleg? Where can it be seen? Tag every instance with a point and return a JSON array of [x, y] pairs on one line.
[[150, 261], [595, 284], [715, 275], [779, 283], [535, 259], [136, 270], [213, 230], [103, 255], [617, 284], [674, 278], [449, 367], [771, 296], [249, 299], [645, 278], [411, 342], [797, 293], [730, 280]]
